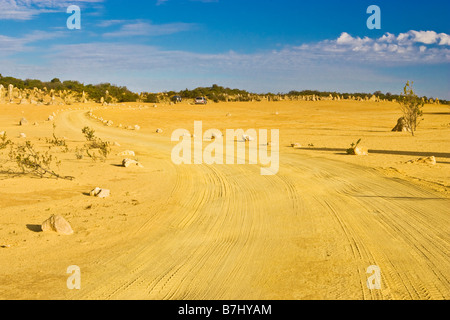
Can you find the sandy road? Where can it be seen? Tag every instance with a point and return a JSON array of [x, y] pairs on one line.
[[309, 232]]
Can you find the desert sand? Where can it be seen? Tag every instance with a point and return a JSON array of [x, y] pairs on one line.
[[225, 231]]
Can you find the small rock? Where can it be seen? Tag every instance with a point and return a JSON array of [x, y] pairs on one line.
[[129, 162], [358, 151], [50, 118], [247, 138], [100, 193], [127, 153], [159, 130], [136, 127], [57, 224], [23, 122], [296, 145], [427, 160], [22, 135]]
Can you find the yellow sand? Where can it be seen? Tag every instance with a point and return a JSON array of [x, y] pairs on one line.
[[225, 231]]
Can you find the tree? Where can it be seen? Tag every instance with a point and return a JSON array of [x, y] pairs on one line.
[[411, 106]]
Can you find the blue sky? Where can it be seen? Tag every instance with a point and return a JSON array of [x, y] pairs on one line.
[[261, 46]]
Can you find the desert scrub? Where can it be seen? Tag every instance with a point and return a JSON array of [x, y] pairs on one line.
[[33, 162], [412, 107], [95, 147], [4, 141], [89, 133], [59, 142]]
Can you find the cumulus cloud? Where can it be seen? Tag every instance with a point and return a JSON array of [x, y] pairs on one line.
[[411, 47]]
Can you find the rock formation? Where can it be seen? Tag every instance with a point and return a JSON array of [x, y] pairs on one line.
[[10, 93], [401, 125]]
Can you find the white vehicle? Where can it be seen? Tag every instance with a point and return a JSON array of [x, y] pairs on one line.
[[200, 100]]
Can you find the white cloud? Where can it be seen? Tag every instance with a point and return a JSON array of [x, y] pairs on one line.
[[406, 48], [427, 37], [142, 28], [11, 45], [444, 39], [28, 9]]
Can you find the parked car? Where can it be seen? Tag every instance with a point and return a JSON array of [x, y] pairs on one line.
[[176, 99], [201, 100]]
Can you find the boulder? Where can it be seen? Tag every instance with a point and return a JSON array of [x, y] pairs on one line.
[[100, 193], [57, 224]]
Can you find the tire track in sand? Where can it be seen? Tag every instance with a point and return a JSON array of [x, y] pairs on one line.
[[316, 226]]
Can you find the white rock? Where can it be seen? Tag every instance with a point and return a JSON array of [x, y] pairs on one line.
[[57, 224], [159, 130], [127, 153], [100, 193], [136, 127], [22, 135], [129, 162]]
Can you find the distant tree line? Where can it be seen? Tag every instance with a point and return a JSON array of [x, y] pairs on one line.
[[94, 92], [214, 93]]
